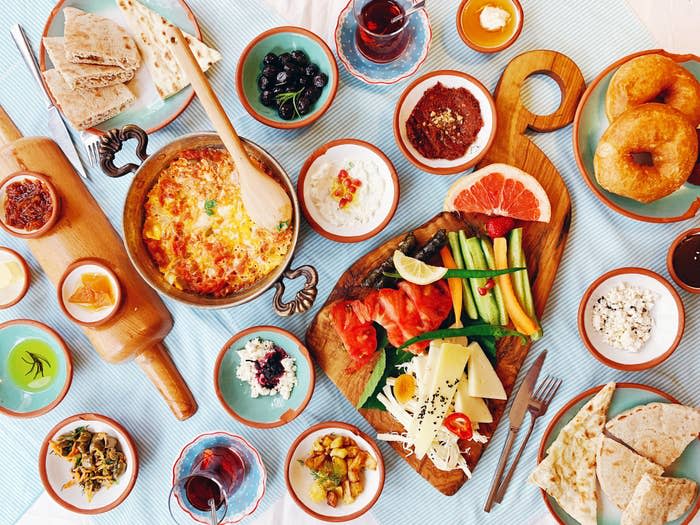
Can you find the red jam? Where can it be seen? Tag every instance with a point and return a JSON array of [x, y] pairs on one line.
[[686, 260], [28, 204], [270, 368]]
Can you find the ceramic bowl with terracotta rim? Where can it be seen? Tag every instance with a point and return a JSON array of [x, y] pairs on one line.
[[344, 154], [71, 280], [451, 79], [150, 111], [14, 292], [626, 397], [53, 194], [39, 399], [263, 411], [299, 479], [669, 260], [517, 8], [591, 121], [668, 317], [279, 40], [55, 471]]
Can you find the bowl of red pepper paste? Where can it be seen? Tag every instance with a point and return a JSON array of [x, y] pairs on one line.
[[29, 204]]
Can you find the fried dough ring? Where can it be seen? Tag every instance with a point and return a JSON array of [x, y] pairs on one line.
[[653, 78], [657, 129]]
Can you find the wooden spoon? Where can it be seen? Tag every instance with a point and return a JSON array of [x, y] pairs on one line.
[[265, 200]]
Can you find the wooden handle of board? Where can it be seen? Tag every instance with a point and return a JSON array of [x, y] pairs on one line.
[[160, 369], [8, 130]]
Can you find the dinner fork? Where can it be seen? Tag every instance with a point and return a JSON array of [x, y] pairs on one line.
[[536, 407], [91, 143]]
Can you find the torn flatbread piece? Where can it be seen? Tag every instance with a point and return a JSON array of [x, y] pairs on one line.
[[568, 472], [658, 500]]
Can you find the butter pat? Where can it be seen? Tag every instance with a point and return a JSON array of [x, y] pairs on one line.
[[493, 18]]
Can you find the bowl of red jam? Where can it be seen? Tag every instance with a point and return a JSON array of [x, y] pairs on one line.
[[683, 260], [29, 205]]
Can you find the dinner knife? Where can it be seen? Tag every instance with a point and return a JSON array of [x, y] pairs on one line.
[[518, 409], [57, 128]]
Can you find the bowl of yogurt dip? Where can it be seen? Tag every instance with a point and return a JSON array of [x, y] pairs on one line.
[[348, 190]]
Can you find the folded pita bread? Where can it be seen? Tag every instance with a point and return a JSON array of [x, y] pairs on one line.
[[619, 471], [658, 500], [94, 39], [151, 38], [568, 472], [85, 108], [83, 75], [658, 431]]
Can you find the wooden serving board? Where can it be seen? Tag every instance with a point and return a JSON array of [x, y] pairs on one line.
[[543, 245]]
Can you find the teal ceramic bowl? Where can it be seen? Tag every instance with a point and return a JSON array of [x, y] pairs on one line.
[[589, 124], [149, 112], [263, 411], [626, 396], [16, 363], [280, 40]]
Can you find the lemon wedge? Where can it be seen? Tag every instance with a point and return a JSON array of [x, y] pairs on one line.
[[415, 271]]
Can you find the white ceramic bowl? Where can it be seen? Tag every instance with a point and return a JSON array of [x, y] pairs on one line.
[[668, 317], [14, 293], [71, 280]]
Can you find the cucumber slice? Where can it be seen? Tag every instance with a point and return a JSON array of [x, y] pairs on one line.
[[467, 298], [474, 260], [487, 248]]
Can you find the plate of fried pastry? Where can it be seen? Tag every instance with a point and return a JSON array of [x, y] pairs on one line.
[[107, 63], [625, 454], [636, 136]]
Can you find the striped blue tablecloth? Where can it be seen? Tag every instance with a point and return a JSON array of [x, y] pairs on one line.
[[593, 33]]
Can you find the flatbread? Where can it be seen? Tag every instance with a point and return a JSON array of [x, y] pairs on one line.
[[658, 431], [149, 28], [658, 500], [83, 75], [619, 471], [568, 472], [85, 108], [94, 39]]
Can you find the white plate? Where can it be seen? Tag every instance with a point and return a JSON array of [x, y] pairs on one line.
[[16, 290], [72, 281]]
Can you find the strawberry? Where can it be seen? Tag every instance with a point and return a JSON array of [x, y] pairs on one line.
[[499, 226]]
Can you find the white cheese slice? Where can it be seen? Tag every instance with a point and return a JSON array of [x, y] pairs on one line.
[[473, 407], [443, 379], [481, 377]]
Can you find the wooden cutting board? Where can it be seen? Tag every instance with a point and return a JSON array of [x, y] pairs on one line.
[[543, 245]]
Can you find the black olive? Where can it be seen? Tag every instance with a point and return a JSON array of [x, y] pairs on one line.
[[303, 105], [263, 82], [282, 77], [284, 58], [286, 110], [320, 80], [310, 70], [278, 89], [267, 98], [312, 93], [299, 57], [270, 71], [270, 59], [292, 68], [305, 81]]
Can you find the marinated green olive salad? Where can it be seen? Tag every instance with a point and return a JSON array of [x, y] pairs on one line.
[[290, 83]]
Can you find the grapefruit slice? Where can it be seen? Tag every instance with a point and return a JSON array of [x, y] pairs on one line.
[[500, 189]]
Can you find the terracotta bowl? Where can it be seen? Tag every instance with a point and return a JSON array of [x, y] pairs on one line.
[[452, 79], [19, 289], [30, 234], [481, 49], [669, 260], [279, 40], [339, 152], [299, 479], [668, 316], [55, 471]]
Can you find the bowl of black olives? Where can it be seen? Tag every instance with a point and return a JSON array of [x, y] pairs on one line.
[[287, 77]]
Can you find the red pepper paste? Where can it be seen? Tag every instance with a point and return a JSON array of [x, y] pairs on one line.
[[28, 204]]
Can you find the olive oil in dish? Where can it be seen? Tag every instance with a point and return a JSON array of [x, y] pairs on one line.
[[489, 23], [32, 365]]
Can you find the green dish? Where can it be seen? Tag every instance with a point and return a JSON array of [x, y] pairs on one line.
[[280, 40], [149, 112], [589, 125], [263, 411], [627, 396]]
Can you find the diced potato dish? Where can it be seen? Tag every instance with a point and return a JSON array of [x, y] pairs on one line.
[[337, 464]]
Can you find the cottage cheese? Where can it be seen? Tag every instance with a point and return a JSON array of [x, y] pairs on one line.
[[255, 351], [623, 316]]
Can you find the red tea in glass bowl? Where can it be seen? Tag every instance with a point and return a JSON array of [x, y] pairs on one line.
[[217, 474], [377, 37]]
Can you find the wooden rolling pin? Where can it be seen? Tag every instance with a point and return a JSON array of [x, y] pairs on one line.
[[82, 230]]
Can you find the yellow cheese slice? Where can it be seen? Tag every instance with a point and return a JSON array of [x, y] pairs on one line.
[[473, 407], [482, 379]]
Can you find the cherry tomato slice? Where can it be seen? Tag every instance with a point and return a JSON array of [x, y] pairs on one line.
[[460, 425]]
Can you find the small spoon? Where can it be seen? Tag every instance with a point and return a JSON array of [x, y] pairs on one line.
[[212, 515], [416, 7], [266, 202]]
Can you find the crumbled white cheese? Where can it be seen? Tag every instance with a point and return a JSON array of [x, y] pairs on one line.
[[493, 18], [623, 316], [257, 349]]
